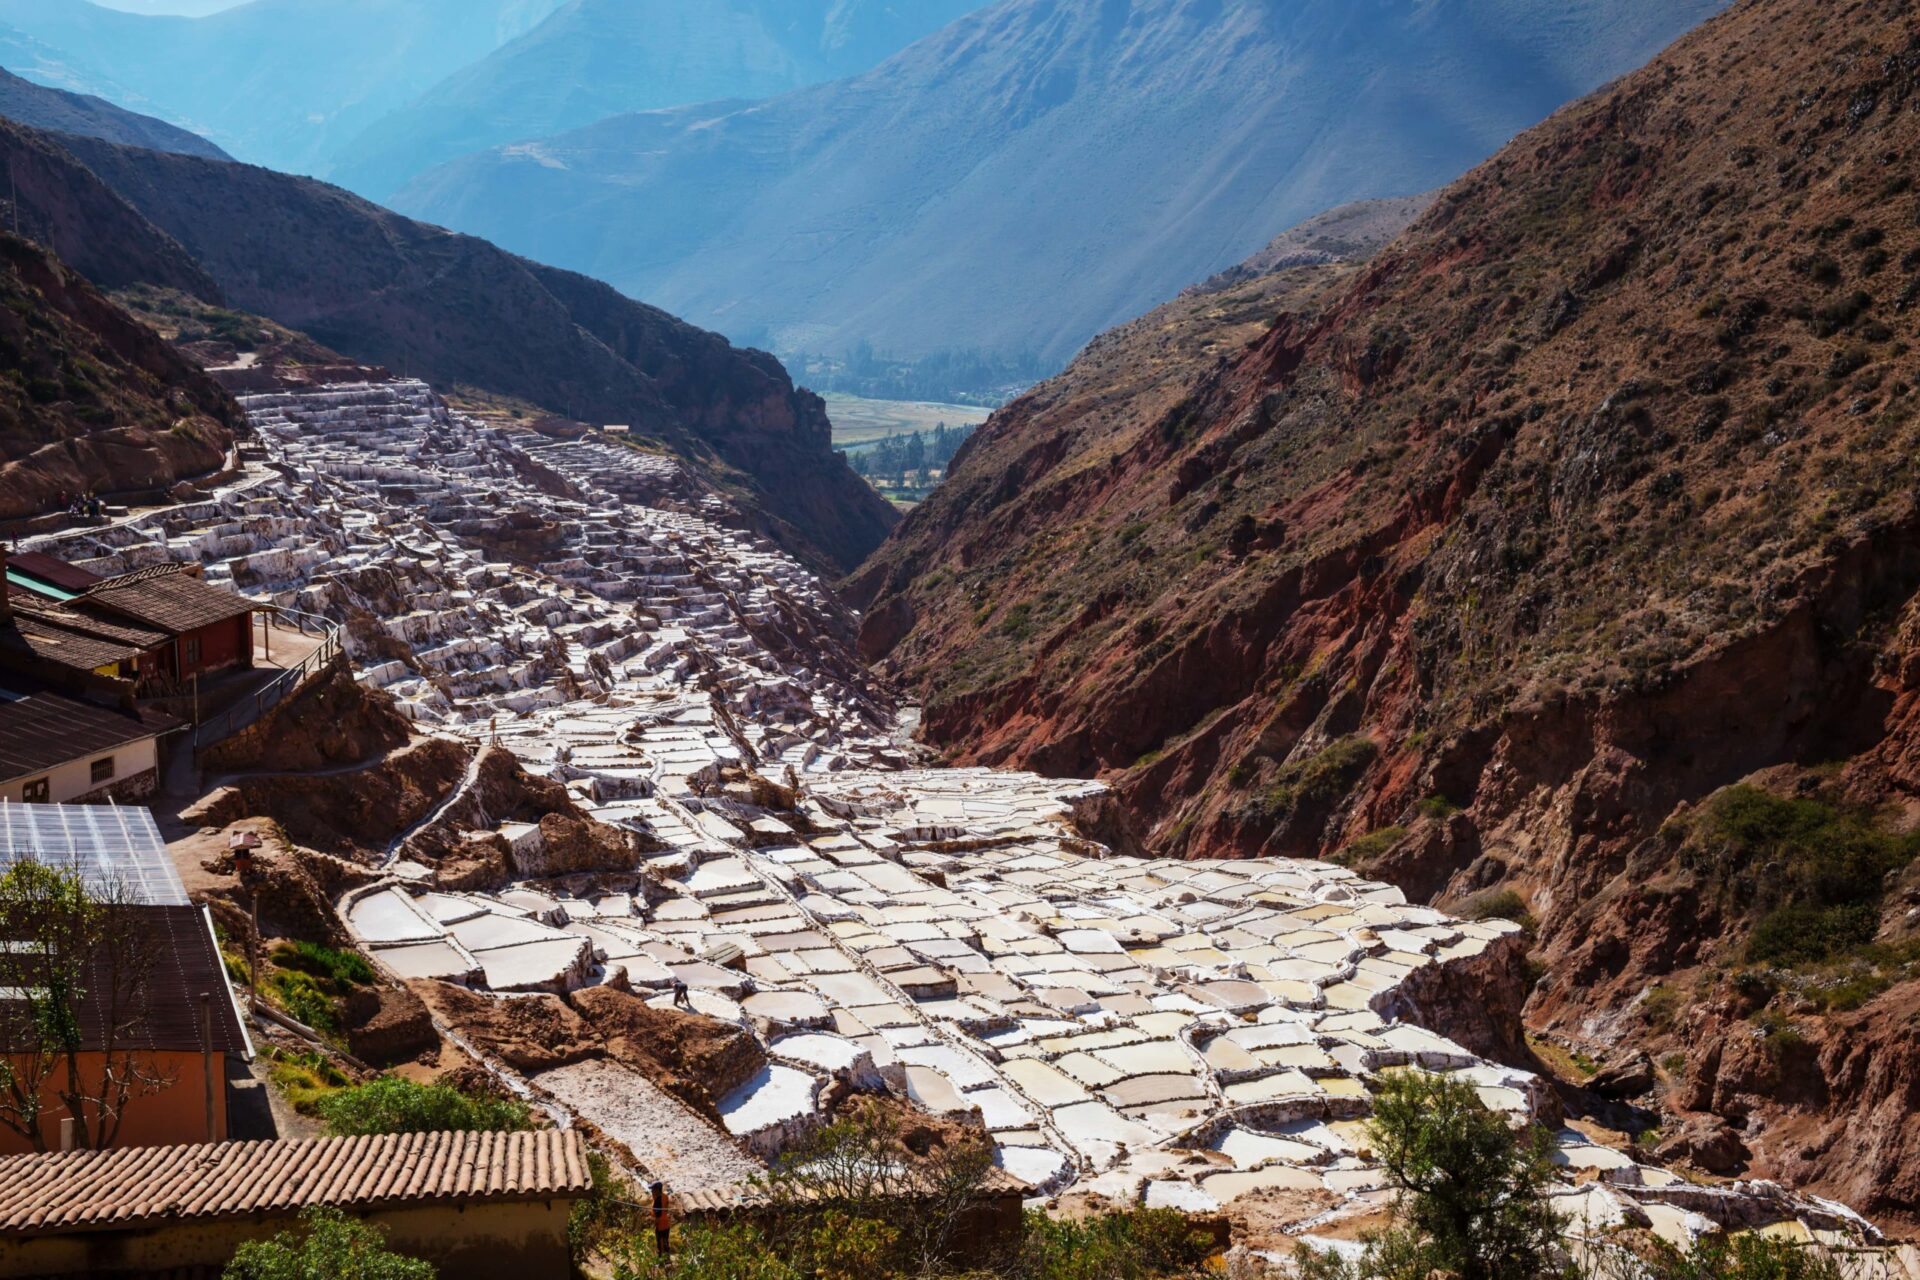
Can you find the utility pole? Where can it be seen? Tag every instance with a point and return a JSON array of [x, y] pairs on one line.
[[241, 845], [206, 1061]]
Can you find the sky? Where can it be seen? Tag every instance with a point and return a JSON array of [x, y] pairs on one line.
[[191, 8]]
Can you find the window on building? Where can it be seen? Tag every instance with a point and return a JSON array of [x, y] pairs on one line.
[[39, 791], [103, 769], [192, 646]]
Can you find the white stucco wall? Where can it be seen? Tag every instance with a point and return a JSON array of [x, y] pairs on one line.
[[75, 778]]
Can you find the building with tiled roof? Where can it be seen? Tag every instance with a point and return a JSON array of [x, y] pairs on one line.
[[210, 629], [474, 1204], [59, 749], [154, 627]]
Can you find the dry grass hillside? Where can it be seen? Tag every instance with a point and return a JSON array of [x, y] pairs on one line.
[[1489, 566], [90, 399]]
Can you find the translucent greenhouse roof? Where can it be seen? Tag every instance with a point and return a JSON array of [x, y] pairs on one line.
[[107, 844]]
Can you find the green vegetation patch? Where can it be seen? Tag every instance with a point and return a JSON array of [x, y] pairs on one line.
[[308, 980], [1325, 776], [393, 1105], [1369, 848], [1498, 904], [329, 1243], [1809, 874]]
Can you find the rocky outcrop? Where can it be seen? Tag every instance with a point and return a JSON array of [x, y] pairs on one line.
[[531, 1034], [295, 891], [1476, 1003], [387, 1025], [354, 813], [1484, 564], [696, 1059], [459, 844], [331, 721], [97, 402]]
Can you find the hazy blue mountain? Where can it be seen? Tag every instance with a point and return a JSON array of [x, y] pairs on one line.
[[275, 82], [597, 58], [1041, 169], [57, 109]]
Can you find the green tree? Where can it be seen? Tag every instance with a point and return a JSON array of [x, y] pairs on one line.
[[1743, 1257], [703, 1251], [1472, 1192], [76, 959], [393, 1105], [333, 1247]]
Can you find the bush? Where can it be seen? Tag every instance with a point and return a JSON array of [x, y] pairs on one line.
[[1142, 1244], [304, 999], [393, 1105], [344, 968], [1662, 1007], [1801, 933], [1325, 776], [1471, 1192], [1497, 904], [1138, 1245], [1747, 1256], [334, 1246], [604, 1211], [304, 1078], [701, 1251], [1810, 873], [1361, 853]]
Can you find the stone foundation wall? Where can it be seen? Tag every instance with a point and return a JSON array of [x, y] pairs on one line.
[[138, 789]]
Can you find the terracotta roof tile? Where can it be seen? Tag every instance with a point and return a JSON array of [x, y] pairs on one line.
[[97, 1190]]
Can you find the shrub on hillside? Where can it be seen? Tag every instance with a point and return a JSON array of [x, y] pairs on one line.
[[1810, 874], [393, 1105], [330, 1245]]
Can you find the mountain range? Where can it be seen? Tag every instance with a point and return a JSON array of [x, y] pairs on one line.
[[92, 400], [45, 108], [598, 58], [1557, 561], [450, 308], [276, 82], [371, 92], [1037, 171]]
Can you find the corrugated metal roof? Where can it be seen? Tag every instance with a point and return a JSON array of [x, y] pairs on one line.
[[169, 1016], [106, 844], [40, 728], [153, 1186], [54, 572]]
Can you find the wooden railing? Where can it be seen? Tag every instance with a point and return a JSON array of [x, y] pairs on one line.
[[248, 711]]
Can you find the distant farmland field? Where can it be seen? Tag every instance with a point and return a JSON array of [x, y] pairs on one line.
[[858, 422]]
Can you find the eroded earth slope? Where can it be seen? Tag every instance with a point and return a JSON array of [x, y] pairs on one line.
[[1486, 565]]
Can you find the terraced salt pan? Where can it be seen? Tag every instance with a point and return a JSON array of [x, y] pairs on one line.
[[1023, 979], [775, 1096]]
